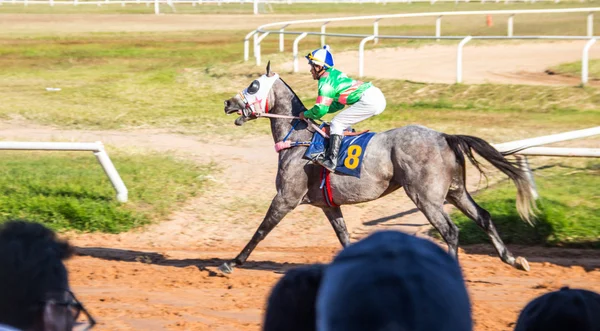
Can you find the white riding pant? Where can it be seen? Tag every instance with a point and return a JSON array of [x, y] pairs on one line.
[[371, 103]]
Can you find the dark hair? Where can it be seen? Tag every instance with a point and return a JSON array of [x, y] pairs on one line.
[[30, 268], [566, 309], [291, 305]]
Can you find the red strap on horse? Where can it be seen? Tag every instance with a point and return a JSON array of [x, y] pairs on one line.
[[327, 192]]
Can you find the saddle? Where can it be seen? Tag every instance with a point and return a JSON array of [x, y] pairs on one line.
[[347, 133], [352, 150]]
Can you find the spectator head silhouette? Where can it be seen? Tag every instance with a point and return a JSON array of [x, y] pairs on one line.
[[391, 281], [34, 286], [291, 305], [563, 310]]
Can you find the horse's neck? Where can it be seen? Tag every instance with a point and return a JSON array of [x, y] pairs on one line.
[[290, 105], [290, 130]]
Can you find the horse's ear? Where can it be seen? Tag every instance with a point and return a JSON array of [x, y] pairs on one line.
[[269, 69]]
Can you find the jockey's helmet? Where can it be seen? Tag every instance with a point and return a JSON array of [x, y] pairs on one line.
[[321, 56]]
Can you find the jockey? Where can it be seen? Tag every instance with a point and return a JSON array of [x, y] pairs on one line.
[[336, 90]]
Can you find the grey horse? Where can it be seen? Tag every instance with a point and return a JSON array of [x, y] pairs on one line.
[[429, 165]]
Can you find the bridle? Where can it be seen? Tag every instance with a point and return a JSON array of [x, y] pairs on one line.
[[249, 111], [249, 106]]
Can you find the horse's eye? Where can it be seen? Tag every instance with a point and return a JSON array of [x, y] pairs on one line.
[[254, 87]]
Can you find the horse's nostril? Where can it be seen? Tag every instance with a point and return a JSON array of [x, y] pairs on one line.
[[226, 103]]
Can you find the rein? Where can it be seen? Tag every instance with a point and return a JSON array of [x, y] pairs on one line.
[[249, 110], [312, 124]]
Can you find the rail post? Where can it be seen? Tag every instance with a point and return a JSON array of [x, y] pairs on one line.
[[438, 27], [247, 45], [258, 41], [361, 55], [459, 55], [281, 36], [295, 49], [585, 60], [376, 30], [323, 31]]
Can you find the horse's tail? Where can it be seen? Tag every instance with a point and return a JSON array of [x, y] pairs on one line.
[[462, 145]]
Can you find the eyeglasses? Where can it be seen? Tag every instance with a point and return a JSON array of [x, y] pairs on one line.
[[82, 322]]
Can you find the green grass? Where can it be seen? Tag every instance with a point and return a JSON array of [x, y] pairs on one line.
[[114, 81], [569, 205], [463, 108], [69, 191], [574, 69], [179, 81]]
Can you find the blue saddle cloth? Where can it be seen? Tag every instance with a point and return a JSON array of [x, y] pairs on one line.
[[351, 152]]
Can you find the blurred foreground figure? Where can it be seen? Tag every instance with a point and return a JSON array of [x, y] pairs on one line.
[[34, 285], [291, 305], [391, 281], [564, 310]]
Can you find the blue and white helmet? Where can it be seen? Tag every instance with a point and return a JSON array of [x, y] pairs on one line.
[[321, 56]]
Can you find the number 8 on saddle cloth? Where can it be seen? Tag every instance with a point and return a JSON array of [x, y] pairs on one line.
[[351, 152]]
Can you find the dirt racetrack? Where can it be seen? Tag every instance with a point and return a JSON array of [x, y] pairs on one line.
[[512, 63], [162, 277]]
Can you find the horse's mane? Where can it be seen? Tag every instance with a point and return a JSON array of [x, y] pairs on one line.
[[297, 105]]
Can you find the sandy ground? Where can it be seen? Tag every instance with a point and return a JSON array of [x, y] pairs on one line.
[[506, 63], [519, 62], [162, 277], [63, 23], [74, 23]]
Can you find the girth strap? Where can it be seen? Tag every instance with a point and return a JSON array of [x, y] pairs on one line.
[[326, 188]]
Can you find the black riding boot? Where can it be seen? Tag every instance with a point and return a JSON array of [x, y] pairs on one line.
[[331, 156]]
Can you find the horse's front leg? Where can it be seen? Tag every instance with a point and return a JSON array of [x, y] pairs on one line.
[[335, 217], [281, 205]]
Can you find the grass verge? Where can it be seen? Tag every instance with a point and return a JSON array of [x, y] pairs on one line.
[[179, 81], [71, 192], [573, 69]]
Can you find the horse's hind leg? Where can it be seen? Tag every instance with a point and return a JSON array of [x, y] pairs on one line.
[[431, 203], [463, 201], [335, 217]]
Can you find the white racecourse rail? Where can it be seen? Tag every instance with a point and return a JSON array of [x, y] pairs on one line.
[[97, 148], [521, 148], [280, 28], [254, 3]]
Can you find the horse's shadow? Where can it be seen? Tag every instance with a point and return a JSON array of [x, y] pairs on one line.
[[586, 258], [581, 254], [114, 254], [382, 220]]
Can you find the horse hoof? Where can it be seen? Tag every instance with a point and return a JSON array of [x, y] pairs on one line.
[[521, 264], [226, 268]]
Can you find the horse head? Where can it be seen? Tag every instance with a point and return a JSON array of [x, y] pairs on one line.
[[255, 100]]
